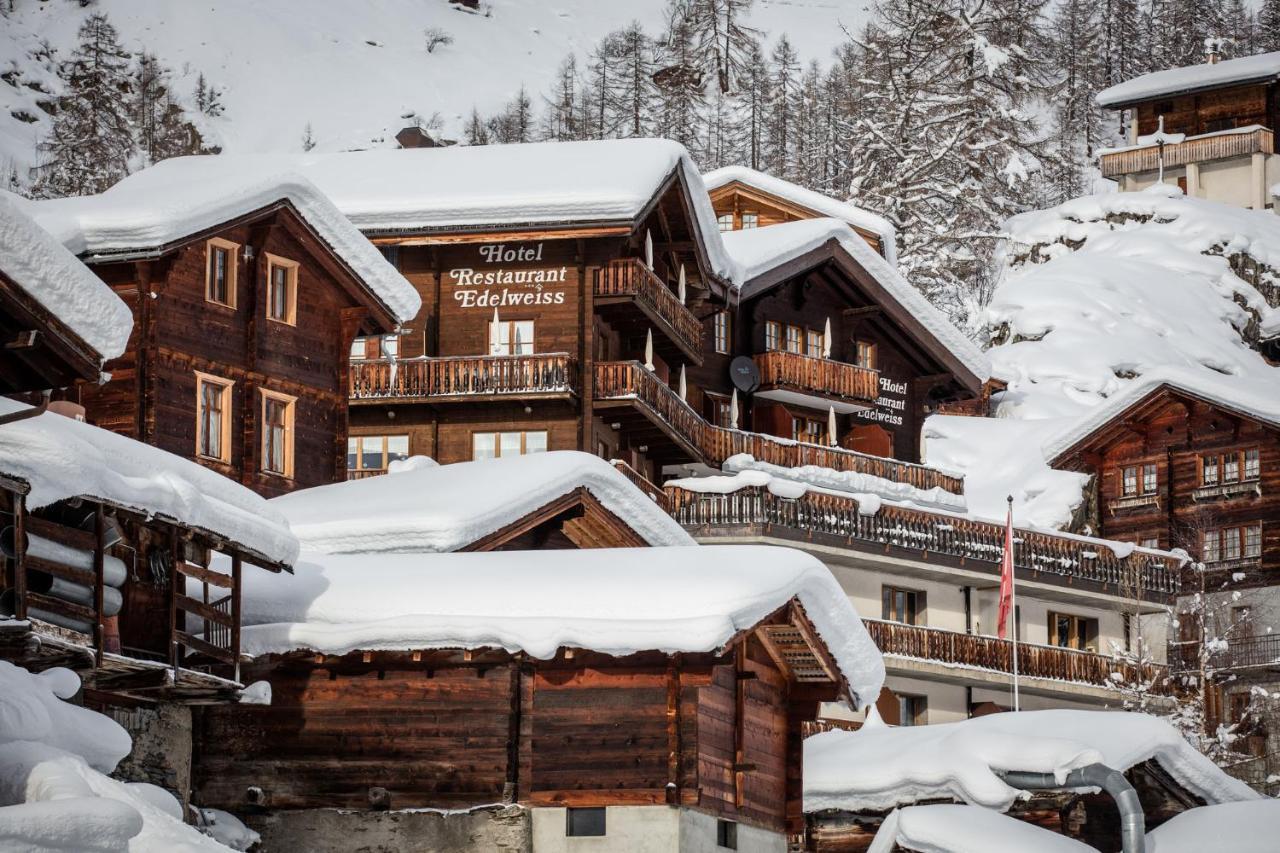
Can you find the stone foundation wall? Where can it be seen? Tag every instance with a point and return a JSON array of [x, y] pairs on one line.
[[500, 829], [161, 747]]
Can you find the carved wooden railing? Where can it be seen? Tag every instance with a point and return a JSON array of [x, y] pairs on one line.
[[631, 278], [643, 483], [619, 380], [821, 376], [1257, 650], [461, 376], [363, 473], [1070, 557], [1034, 660], [1191, 150]]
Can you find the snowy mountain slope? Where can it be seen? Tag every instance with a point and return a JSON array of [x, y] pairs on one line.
[[353, 71], [1098, 293]]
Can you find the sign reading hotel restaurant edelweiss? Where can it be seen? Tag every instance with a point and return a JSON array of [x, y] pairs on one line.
[[890, 405], [496, 285]]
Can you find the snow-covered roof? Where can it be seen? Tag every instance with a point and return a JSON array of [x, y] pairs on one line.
[[615, 601], [757, 251], [59, 457], [817, 202], [421, 506], [34, 261], [1248, 827], [878, 767], [473, 187], [178, 198], [1193, 78], [950, 828]]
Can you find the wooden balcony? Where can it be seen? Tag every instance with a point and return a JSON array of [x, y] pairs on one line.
[[1195, 149], [620, 384], [1248, 652], [818, 382], [627, 282], [991, 653], [464, 378], [928, 536]]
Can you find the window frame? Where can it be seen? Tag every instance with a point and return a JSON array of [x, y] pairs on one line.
[[571, 831], [919, 705], [772, 336], [275, 262], [511, 326], [227, 392], [793, 334], [1210, 462], [232, 272], [267, 396], [1150, 482], [497, 441], [722, 332], [1251, 458], [914, 602], [1083, 630], [865, 355], [1232, 461], [748, 216], [726, 834], [812, 343], [358, 442], [721, 223], [1129, 475], [1211, 546]]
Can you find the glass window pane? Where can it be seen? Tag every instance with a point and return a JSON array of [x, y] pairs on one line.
[[535, 442], [371, 455], [353, 453], [510, 444], [482, 445], [523, 343], [397, 447], [390, 346], [725, 221]]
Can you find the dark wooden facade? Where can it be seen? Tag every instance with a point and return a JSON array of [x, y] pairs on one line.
[[720, 733], [1211, 110], [39, 351], [737, 199], [180, 335], [1179, 470]]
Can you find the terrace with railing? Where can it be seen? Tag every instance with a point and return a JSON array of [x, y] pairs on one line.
[[1034, 660], [629, 381], [923, 535], [629, 280], [464, 377], [836, 381], [1247, 652], [1193, 149]]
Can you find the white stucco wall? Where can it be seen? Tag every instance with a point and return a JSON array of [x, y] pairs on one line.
[[1232, 181], [648, 829]]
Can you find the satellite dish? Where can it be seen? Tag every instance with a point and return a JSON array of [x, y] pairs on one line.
[[744, 374]]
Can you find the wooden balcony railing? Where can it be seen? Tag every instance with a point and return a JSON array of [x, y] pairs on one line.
[[364, 473], [1034, 660], [629, 277], [821, 376], [628, 380], [931, 533], [643, 483], [1257, 650], [464, 376], [1195, 149]]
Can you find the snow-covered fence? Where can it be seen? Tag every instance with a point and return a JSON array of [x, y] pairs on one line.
[[929, 533]]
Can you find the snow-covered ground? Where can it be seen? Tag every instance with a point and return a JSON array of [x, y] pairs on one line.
[[355, 72]]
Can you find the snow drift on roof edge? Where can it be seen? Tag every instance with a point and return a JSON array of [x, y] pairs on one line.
[[1200, 76]]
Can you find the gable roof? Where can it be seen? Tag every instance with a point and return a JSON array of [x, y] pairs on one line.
[[94, 322], [158, 208], [617, 601], [1237, 395], [425, 507], [56, 457], [768, 256], [1260, 68], [816, 203]]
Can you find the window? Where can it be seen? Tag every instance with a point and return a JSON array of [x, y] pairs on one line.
[[901, 605], [277, 433], [795, 339], [488, 445], [220, 271], [1231, 543], [811, 430], [282, 290], [772, 335], [1209, 470], [721, 410], [722, 331], [1130, 481], [1252, 464], [727, 834], [913, 710], [1073, 632], [865, 355], [511, 337], [213, 417], [1253, 540], [1150, 542], [725, 222], [579, 822], [1149, 479], [1231, 468], [750, 220], [385, 346], [813, 344], [375, 452], [1210, 550]]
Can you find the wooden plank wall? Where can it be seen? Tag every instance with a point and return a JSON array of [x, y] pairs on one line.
[[1196, 113]]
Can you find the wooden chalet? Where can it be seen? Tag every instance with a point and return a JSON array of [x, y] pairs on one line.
[[744, 199], [587, 726], [246, 293]]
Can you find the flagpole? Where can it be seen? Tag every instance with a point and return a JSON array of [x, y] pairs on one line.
[[1013, 595]]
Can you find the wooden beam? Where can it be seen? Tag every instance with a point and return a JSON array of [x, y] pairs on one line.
[[99, 555], [208, 576]]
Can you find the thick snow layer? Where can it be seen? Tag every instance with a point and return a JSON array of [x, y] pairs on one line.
[[469, 186], [1130, 284], [227, 829], [878, 768], [60, 458], [947, 828], [847, 482], [37, 263], [1262, 66], [54, 794], [817, 202], [1248, 827], [177, 198], [758, 250], [447, 507], [616, 601]]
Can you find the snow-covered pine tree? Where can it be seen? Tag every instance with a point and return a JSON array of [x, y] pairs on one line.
[[208, 98], [1269, 26], [781, 108], [724, 41], [680, 83], [753, 97], [91, 141], [160, 123], [1078, 47], [632, 98], [477, 130], [516, 121], [562, 107], [1238, 29]]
